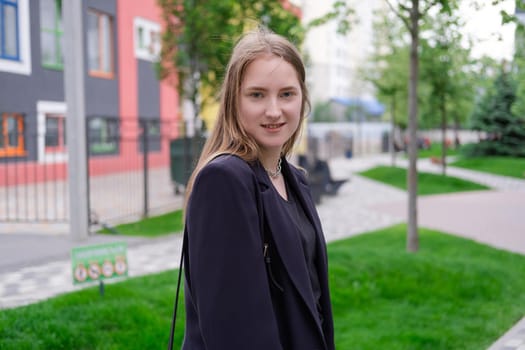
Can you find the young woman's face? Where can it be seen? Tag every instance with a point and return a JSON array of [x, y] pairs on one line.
[[270, 102]]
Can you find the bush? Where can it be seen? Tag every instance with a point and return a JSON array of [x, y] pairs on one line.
[[491, 148]]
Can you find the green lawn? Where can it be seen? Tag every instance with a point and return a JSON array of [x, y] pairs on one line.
[[151, 227], [452, 294], [508, 166], [427, 183], [435, 151]]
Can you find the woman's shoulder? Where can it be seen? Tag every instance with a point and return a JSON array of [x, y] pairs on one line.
[[227, 165]]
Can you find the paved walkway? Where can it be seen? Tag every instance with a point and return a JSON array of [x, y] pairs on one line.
[[36, 267]]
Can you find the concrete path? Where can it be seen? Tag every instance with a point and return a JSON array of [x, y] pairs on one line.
[[36, 267]]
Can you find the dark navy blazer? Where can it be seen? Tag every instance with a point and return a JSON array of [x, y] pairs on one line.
[[231, 303]]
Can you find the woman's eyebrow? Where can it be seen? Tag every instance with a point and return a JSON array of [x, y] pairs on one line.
[[255, 87], [291, 87]]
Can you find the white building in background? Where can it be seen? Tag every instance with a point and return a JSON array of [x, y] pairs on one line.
[[334, 60]]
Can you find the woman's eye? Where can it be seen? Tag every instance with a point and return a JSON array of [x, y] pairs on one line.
[[287, 94], [256, 94]]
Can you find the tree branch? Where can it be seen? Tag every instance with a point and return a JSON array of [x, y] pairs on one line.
[[429, 6], [400, 15]]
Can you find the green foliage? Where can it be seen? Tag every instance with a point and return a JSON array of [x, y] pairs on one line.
[[200, 35], [453, 294], [519, 69], [445, 67], [323, 112], [427, 183], [444, 85], [388, 71], [493, 115], [151, 227], [341, 13]]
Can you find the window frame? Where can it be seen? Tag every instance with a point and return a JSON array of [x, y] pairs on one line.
[[23, 64], [44, 109], [61, 147], [58, 34], [3, 5], [146, 48], [19, 150], [108, 143], [99, 73]]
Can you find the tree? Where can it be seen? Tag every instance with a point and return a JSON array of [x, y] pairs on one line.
[[519, 62], [411, 13], [387, 71], [200, 35], [493, 115], [444, 69]]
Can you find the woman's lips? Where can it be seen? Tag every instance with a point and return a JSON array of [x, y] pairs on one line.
[[273, 126]]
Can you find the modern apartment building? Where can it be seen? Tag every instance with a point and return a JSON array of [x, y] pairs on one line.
[[122, 93], [335, 60]]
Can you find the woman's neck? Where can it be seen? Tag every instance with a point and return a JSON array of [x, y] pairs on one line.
[[270, 162]]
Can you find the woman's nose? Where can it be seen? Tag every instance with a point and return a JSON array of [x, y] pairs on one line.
[[273, 109]]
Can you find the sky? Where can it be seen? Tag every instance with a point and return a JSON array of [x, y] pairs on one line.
[[493, 38]]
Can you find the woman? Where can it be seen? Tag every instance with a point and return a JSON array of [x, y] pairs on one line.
[[255, 264]]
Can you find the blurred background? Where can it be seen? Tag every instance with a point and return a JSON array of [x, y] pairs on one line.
[[144, 96]]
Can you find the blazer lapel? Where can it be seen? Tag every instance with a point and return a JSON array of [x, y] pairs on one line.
[[302, 191], [288, 244]]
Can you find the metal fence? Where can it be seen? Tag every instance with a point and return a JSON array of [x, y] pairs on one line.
[[135, 184], [131, 174], [22, 200]]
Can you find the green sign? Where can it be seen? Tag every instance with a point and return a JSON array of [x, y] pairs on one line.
[[99, 262]]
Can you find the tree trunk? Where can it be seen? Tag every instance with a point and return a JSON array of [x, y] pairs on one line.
[[443, 135], [457, 142], [393, 132], [412, 234]]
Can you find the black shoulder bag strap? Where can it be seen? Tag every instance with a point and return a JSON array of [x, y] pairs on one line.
[[174, 318]]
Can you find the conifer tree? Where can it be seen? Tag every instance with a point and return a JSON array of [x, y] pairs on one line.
[[505, 131]]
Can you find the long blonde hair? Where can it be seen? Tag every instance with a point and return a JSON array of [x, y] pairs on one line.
[[228, 135]]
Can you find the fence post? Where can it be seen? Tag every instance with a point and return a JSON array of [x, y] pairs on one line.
[[145, 151]]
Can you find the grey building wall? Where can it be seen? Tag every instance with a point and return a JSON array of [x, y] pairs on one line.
[[19, 93], [148, 91], [102, 95], [149, 100]]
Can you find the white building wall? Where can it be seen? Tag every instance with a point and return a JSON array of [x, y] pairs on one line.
[[334, 60]]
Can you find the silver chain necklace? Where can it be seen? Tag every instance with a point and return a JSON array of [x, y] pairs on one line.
[[277, 172]]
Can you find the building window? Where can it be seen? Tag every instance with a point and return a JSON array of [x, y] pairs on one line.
[[55, 140], [12, 135], [15, 48], [51, 130], [103, 135], [51, 33], [147, 39], [9, 47], [100, 44]]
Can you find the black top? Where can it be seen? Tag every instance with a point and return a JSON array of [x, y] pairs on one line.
[[308, 240]]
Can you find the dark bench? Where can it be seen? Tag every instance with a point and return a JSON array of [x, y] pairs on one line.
[[320, 178]]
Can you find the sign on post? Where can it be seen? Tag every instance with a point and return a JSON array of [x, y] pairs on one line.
[[99, 262]]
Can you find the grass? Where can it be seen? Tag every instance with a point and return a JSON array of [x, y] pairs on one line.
[[152, 226], [435, 151], [507, 166], [427, 183], [452, 294]]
